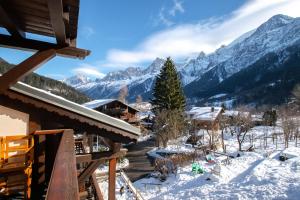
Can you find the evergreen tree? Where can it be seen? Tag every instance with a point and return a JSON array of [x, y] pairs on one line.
[[167, 91]]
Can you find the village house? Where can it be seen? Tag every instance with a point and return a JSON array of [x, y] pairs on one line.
[[205, 117], [230, 114], [115, 108]]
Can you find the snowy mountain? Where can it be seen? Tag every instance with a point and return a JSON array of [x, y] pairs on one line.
[[199, 75], [77, 80], [138, 81]]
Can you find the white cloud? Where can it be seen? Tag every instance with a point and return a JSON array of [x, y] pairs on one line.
[[184, 40], [177, 7], [89, 70]]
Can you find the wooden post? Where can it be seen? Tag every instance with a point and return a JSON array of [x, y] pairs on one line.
[[112, 179], [24, 68]]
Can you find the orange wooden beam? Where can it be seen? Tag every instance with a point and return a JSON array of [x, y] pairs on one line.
[[49, 132], [112, 179]]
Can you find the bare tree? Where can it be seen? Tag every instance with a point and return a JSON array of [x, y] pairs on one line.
[[123, 94], [240, 125], [224, 125], [288, 124]]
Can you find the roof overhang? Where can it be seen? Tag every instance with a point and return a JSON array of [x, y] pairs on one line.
[[63, 107], [52, 18]]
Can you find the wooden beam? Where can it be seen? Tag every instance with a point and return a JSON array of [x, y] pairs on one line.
[[97, 188], [100, 156], [34, 45], [24, 68], [88, 171], [10, 24], [63, 182], [49, 132], [112, 179], [116, 147], [57, 21], [83, 158]]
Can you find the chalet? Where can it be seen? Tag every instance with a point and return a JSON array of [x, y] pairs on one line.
[[229, 114], [145, 115], [115, 108], [205, 117], [39, 158]]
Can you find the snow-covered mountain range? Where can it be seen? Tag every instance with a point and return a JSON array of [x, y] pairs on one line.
[[204, 71]]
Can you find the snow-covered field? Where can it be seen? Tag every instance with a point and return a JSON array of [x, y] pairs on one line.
[[253, 175]]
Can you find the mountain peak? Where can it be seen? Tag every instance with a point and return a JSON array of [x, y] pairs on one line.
[[155, 66], [77, 79], [275, 22]]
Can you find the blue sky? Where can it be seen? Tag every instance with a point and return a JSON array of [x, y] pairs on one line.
[[133, 33]]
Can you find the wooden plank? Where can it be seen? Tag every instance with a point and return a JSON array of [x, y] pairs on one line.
[[34, 45], [10, 24], [97, 188], [112, 179], [102, 156], [63, 183], [50, 132], [56, 17], [24, 68]]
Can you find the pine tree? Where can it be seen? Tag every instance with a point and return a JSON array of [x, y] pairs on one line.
[[167, 92]]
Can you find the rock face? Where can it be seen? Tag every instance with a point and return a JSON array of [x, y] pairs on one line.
[[201, 74]]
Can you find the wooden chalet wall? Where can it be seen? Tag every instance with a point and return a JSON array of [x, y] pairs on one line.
[[119, 110]]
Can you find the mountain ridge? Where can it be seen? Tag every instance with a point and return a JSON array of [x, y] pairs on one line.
[[206, 70]]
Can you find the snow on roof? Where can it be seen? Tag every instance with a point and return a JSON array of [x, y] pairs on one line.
[[205, 113], [234, 113], [143, 106], [257, 117], [98, 102], [61, 102]]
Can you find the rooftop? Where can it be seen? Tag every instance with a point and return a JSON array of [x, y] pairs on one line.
[[77, 109], [205, 113]]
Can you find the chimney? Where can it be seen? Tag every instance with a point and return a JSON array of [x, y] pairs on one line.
[[212, 109]]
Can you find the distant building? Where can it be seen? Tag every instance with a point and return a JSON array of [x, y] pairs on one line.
[[257, 119], [234, 113], [205, 117], [115, 108]]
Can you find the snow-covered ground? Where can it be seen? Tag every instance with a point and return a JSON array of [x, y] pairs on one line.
[[253, 175], [125, 195]]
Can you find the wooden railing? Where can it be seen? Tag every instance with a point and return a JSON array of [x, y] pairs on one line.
[[60, 164]]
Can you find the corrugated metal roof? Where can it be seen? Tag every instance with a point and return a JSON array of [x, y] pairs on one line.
[[73, 107]]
